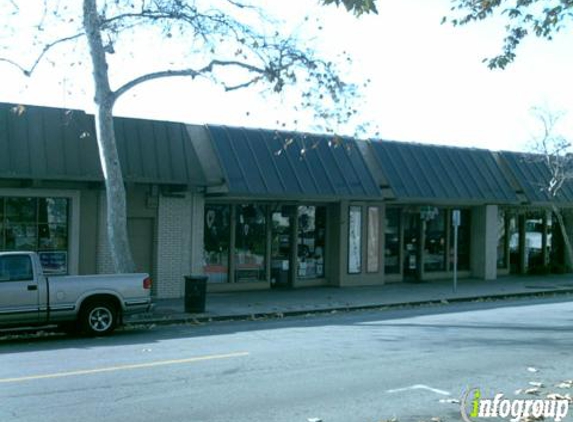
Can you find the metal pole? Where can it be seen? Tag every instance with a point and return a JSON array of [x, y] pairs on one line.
[[456, 220], [455, 258]]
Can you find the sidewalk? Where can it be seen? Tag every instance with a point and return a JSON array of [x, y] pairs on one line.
[[241, 305]]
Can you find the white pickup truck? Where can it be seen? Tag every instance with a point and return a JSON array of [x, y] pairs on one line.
[[94, 304]]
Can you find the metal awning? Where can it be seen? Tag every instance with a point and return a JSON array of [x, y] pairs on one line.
[[441, 174], [257, 162], [44, 143], [531, 173]]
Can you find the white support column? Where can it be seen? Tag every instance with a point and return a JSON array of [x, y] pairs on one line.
[[484, 242]]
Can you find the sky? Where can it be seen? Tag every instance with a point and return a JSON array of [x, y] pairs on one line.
[[429, 84]]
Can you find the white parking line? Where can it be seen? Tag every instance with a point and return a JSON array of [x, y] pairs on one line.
[[420, 387]]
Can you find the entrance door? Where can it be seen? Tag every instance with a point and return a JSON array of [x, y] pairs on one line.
[[140, 231], [281, 247], [411, 264]]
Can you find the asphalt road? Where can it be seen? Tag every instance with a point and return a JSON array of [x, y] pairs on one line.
[[344, 367]]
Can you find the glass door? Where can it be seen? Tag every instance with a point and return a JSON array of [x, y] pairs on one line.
[[281, 244], [411, 262]]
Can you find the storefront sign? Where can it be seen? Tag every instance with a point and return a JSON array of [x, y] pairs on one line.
[[54, 262]]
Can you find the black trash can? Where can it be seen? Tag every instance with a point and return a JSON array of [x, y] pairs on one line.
[[195, 293]]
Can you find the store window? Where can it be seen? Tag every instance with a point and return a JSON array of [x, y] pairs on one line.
[[373, 249], [311, 241], [435, 244], [501, 240], [37, 224], [392, 241], [555, 244], [250, 243], [464, 242], [534, 232], [355, 240], [514, 241], [281, 245], [216, 242]]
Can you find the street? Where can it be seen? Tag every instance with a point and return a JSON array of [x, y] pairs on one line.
[[372, 366]]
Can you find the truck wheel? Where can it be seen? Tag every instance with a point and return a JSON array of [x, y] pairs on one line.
[[98, 318]]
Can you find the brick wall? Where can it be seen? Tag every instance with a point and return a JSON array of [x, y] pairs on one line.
[[179, 242], [174, 244]]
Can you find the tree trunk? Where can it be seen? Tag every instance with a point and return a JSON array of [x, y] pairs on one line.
[[564, 233], [109, 158]]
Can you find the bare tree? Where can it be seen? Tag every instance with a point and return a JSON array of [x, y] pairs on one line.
[[230, 42], [556, 152]]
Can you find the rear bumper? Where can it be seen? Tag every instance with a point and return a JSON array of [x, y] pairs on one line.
[[138, 306]]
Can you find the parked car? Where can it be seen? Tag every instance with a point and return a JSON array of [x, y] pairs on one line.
[[92, 304]]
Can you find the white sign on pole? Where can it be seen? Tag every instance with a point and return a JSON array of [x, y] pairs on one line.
[[456, 220]]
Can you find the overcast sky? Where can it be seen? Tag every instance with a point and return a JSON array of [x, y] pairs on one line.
[[428, 80]]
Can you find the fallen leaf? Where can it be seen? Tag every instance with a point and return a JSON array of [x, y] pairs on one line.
[[565, 384], [314, 420], [454, 401], [532, 369], [536, 384], [557, 396], [533, 391]]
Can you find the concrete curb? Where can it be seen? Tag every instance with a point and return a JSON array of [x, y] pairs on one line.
[[202, 319]]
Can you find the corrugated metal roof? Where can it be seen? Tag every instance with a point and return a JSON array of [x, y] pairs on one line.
[[442, 174], [270, 163], [44, 143], [532, 174]]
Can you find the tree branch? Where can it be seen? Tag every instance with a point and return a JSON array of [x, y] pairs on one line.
[[193, 73], [45, 50]]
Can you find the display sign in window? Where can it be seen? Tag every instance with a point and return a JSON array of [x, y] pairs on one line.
[[54, 262], [372, 263], [355, 240]]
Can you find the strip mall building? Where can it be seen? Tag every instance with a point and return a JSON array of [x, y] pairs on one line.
[[257, 209]]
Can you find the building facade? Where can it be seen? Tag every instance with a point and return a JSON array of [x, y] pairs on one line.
[[262, 209]]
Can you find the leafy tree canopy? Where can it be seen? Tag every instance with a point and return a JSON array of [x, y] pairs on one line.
[[358, 7], [542, 18]]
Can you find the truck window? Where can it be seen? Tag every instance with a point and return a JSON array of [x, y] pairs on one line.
[[16, 268]]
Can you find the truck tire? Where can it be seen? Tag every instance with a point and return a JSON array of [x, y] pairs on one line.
[[98, 318]]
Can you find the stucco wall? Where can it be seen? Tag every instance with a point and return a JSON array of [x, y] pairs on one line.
[[484, 242]]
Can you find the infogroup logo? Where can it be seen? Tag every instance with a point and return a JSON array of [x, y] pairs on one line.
[[474, 407]]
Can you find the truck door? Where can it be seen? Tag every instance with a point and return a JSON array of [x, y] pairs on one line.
[[19, 294]]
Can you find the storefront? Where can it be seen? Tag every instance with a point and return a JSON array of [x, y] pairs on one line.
[[422, 186], [282, 218], [266, 241], [530, 237], [530, 241], [262, 209]]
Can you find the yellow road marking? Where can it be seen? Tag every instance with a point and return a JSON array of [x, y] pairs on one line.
[[123, 367]]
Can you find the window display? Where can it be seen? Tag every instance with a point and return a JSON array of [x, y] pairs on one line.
[[501, 240], [250, 243], [392, 241], [355, 240], [311, 241], [217, 237], [372, 262], [435, 244], [37, 224]]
